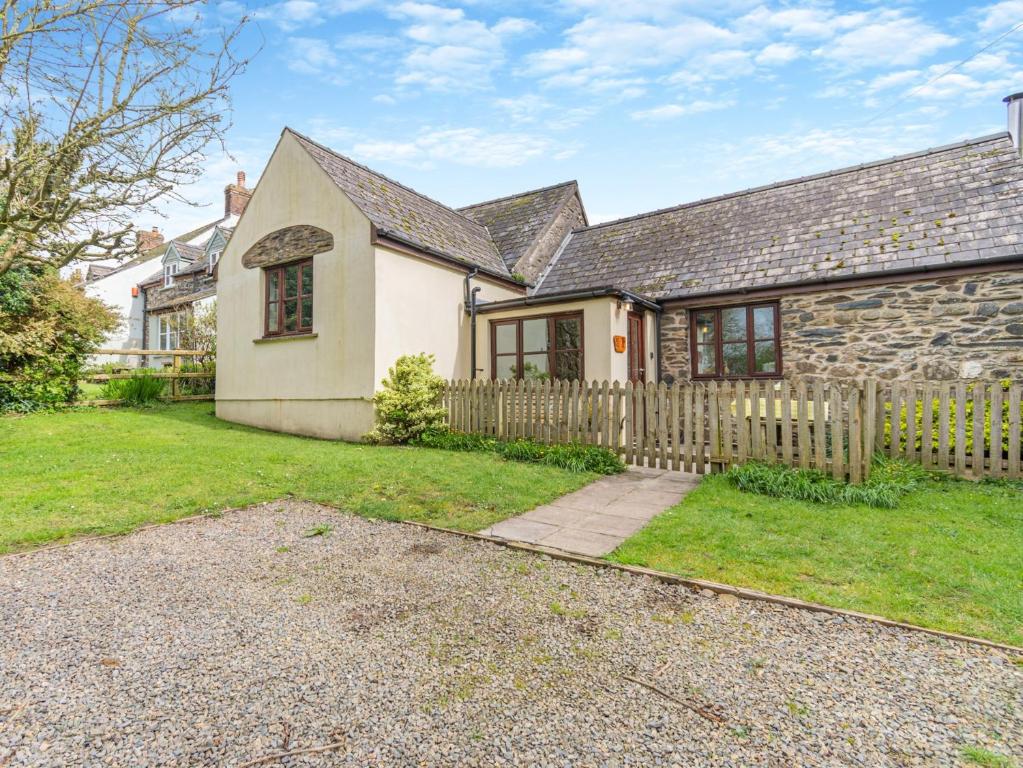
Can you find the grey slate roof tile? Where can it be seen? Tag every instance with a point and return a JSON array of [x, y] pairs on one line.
[[397, 210], [515, 222], [952, 204]]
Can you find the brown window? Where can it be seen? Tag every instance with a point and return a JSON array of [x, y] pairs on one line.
[[736, 342], [289, 299], [549, 347]]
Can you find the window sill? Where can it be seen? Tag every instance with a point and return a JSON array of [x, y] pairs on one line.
[[284, 337]]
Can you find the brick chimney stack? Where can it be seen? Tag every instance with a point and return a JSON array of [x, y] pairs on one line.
[[149, 240], [236, 196]]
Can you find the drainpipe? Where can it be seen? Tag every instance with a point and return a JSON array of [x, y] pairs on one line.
[[470, 309], [657, 345]]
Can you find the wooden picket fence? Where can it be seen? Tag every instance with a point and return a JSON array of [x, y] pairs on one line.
[[835, 427]]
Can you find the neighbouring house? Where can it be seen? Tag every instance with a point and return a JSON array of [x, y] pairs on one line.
[[910, 267], [156, 291]]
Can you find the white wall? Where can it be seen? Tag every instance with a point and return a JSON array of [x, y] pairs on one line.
[[319, 384], [115, 290], [420, 307]]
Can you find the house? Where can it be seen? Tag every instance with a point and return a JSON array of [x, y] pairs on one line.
[[906, 268], [156, 291]]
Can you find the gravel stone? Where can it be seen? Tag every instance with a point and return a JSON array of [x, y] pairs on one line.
[[222, 640]]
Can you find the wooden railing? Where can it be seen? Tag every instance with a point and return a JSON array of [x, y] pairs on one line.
[[173, 373], [971, 428]]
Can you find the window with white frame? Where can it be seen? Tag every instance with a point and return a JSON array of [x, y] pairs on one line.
[[169, 270], [214, 258], [169, 329]]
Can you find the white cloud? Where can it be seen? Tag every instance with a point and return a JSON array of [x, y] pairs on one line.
[[602, 47], [313, 56], [463, 146], [889, 39], [383, 98], [1001, 17], [778, 53], [671, 111], [452, 51], [291, 15]]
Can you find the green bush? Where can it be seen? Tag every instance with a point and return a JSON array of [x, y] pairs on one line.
[[571, 456], [410, 402], [48, 328], [889, 481], [140, 390]]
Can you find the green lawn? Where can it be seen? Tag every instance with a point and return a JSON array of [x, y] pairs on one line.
[[97, 470], [950, 557]]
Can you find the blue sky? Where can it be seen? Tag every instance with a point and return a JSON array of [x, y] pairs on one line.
[[646, 103]]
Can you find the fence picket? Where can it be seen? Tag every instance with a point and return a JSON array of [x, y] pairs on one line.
[[630, 419], [977, 452], [662, 425], [699, 434], [960, 447], [944, 428], [770, 426], [910, 398], [803, 426], [895, 421], [687, 427], [651, 424], [995, 462], [1013, 469], [713, 416], [927, 426], [855, 436], [820, 427], [725, 394], [869, 423], [757, 444], [616, 417], [742, 432], [837, 441], [786, 423]]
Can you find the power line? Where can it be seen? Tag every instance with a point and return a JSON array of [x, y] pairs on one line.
[[936, 78]]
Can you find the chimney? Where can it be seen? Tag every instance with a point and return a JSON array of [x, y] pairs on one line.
[[1015, 103], [149, 240], [236, 196]]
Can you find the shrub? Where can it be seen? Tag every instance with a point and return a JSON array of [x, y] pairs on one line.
[[48, 327], [140, 390], [571, 456], [889, 481], [197, 386], [410, 402]]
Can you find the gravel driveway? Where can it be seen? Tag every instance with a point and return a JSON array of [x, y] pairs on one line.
[[220, 641]]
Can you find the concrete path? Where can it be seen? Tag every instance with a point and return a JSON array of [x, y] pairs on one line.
[[596, 519]]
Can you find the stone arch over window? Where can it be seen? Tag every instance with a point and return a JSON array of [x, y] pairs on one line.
[[288, 244]]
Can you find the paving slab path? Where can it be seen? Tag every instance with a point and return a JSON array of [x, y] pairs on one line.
[[596, 519]]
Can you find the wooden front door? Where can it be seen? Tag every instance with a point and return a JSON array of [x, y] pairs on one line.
[[636, 348]]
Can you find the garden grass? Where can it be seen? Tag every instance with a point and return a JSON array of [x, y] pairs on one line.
[[949, 557], [98, 471]]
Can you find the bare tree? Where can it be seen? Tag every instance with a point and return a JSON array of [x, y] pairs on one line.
[[105, 107]]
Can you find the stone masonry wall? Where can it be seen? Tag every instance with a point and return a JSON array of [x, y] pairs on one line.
[[930, 329]]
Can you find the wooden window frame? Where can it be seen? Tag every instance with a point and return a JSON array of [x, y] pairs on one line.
[[279, 269], [750, 340], [552, 348]]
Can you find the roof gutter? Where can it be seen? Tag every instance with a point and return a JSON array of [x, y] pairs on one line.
[[554, 298], [872, 277]]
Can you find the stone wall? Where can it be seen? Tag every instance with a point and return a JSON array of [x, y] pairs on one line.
[[929, 329], [534, 261]]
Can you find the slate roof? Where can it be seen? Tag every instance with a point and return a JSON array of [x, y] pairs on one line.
[[403, 213], [516, 221], [950, 205], [189, 253]]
